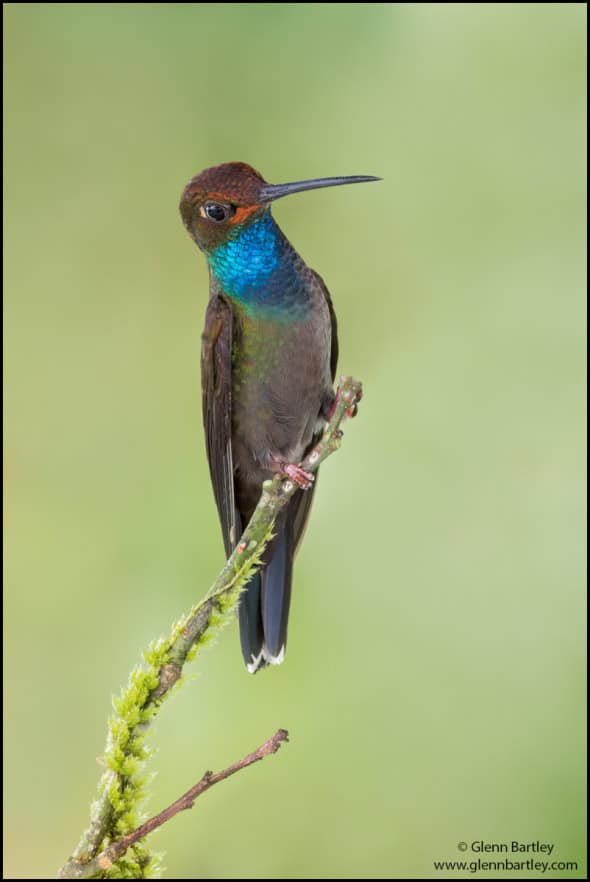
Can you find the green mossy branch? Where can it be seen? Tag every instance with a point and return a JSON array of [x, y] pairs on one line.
[[115, 813]]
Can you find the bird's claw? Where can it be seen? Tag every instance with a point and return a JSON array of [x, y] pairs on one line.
[[299, 476], [351, 410]]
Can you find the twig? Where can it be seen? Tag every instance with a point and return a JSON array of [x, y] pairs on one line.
[[103, 862], [141, 702]]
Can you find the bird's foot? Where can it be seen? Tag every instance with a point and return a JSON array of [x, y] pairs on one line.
[[295, 473], [351, 410]]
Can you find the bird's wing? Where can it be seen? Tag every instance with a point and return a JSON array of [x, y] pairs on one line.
[[300, 505], [216, 351], [334, 324]]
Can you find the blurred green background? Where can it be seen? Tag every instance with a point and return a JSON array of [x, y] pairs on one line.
[[433, 686]]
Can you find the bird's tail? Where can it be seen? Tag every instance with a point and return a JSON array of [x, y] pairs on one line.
[[264, 605]]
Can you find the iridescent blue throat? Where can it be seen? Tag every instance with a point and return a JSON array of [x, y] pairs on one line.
[[261, 271]]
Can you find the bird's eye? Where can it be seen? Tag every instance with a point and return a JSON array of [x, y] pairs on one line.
[[215, 211]]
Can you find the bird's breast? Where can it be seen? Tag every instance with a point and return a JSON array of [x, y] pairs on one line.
[[280, 374]]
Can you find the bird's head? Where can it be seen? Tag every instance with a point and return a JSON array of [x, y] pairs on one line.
[[221, 200]]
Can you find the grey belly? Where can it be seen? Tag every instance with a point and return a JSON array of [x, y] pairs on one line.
[[279, 385]]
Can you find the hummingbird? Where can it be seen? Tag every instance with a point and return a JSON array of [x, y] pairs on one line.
[[268, 362]]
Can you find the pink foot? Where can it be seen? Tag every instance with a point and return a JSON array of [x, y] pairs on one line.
[[350, 411], [298, 475]]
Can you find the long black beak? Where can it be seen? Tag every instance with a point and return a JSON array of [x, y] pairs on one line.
[[270, 192]]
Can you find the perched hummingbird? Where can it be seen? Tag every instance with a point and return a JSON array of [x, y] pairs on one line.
[[268, 361]]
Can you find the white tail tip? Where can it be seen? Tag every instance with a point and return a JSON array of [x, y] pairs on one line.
[[265, 658]]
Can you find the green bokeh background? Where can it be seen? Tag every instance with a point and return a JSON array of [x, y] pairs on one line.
[[433, 686]]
